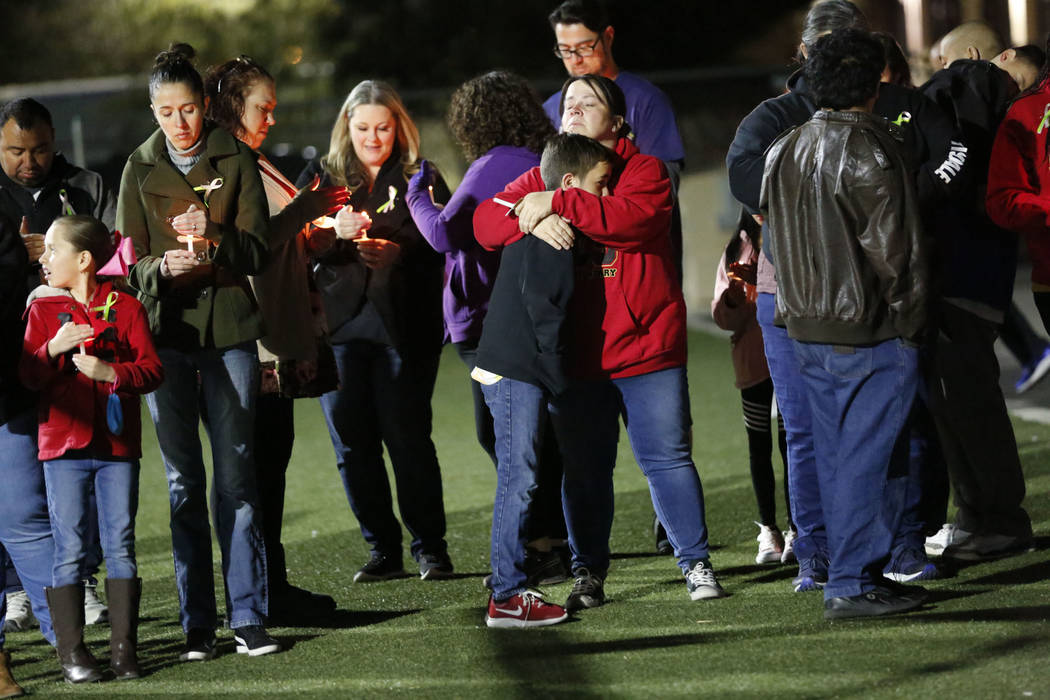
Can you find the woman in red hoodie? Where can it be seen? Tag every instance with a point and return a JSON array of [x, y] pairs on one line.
[[89, 353], [627, 348]]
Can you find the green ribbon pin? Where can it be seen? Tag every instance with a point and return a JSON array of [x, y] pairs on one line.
[[105, 308]]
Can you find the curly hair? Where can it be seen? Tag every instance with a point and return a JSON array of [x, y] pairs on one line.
[[497, 109], [844, 68], [341, 162], [227, 85]]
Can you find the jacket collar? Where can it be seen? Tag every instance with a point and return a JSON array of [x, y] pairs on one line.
[[165, 180]]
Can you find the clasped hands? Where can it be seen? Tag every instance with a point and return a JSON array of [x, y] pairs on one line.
[[536, 217], [71, 335]]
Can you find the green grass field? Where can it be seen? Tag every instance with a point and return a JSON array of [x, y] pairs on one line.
[[985, 635]]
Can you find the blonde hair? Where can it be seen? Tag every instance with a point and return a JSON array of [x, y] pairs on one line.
[[341, 162]]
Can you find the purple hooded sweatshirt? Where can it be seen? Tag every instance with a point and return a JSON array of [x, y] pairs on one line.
[[470, 270]]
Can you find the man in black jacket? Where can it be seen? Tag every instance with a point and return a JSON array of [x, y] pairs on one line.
[[25, 530], [974, 277], [846, 239], [37, 185]]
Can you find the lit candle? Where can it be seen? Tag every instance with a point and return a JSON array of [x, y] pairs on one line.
[[189, 239], [431, 189]]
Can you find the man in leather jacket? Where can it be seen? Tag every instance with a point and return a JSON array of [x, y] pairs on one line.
[[846, 239]]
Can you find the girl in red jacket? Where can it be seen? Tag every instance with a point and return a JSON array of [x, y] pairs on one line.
[[89, 352]]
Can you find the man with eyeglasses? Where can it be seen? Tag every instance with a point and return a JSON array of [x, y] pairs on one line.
[[584, 44]]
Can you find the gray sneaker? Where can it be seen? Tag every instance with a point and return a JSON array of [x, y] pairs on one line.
[[588, 591], [701, 581], [19, 613], [95, 611]]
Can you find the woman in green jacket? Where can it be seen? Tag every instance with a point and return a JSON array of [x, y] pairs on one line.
[[192, 201]]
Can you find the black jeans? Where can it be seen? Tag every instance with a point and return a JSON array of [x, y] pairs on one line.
[[976, 436], [274, 435]]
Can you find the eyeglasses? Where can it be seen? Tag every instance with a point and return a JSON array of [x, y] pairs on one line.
[[584, 51]]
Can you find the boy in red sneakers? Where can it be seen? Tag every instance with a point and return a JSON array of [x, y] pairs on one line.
[[519, 365]]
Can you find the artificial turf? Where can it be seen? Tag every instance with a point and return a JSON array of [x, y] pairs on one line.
[[985, 634]]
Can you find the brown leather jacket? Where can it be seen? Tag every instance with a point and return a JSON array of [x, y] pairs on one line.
[[844, 232]]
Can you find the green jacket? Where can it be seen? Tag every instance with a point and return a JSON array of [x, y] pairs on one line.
[[212, 306]]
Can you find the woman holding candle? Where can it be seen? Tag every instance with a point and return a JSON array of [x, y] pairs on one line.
[[242, 99], [628, 348], [381, 287], [192, 179]]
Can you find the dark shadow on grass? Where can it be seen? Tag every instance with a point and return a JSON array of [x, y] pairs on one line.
[[617, 646], [350, 619], [902, 677], [1032, 573], [777, 575], [1022, 613]]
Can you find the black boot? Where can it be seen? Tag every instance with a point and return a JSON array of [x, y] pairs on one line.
[[66, 604], [123, 595]]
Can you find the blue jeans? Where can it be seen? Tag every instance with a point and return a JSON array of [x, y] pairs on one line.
[[70, 481], [225, 395], [519, 417], [793, 404], [861, 399], [25, 529], [655, 411], [384, 398]]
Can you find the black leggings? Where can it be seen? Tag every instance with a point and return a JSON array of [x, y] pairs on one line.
[[757, 401]]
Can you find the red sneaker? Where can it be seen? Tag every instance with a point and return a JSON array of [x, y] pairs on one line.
[[527, 609]]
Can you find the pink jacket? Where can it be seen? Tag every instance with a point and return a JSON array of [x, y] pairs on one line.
[[749, 355]]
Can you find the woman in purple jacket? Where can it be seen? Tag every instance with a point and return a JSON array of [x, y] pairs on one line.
[[499, 122]]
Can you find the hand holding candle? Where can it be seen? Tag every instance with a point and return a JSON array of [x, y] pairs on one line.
[[352, 225], [70, 335]]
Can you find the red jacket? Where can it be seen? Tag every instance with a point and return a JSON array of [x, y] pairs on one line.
[[72, 408], [639, 304], [1018, 196]]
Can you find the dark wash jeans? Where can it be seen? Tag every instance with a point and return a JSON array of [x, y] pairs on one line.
[[861, 399], [384, 399]]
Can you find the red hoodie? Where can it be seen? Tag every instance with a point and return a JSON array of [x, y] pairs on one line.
[[72, 408], [640, 305], [1018, 196]]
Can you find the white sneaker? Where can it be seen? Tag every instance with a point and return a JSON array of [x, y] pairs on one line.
[[947, 536], [788, 556], [95, 613], [770, 545], [19, 613]]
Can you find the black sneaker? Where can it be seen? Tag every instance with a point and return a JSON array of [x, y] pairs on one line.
[[254, 641], [200, 645], [380, 567], [878, 601], [294, 607], [588, 591], [663, 545], [545, 568], [434, 566]]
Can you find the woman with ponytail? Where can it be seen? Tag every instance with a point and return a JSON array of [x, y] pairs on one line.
[[242, 98], [192, 201]]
